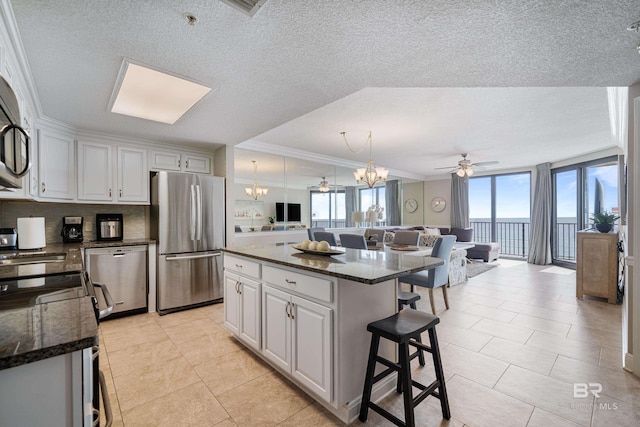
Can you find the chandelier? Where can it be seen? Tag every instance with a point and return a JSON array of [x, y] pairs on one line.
[[255, 192], [323, 186], [372, 173]]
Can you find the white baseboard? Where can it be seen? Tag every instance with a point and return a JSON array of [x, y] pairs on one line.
[[629, 363], [380, 390]]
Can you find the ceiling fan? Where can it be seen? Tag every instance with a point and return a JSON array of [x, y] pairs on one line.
[[465, 166]]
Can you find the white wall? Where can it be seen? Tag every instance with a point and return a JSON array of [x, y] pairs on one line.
[[413, 190], [441, 188]]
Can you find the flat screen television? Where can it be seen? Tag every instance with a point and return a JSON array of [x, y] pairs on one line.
[[292, 213]]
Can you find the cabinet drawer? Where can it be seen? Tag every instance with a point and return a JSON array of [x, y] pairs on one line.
[[301, 283], [242, 266]]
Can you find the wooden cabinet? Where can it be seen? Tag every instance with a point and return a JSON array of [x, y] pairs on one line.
[[56, 165], [180, 162], [297, 337], [97, 168], [597, 265]]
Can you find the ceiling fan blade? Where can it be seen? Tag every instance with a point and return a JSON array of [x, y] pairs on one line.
[[448, 167], [493, 162]]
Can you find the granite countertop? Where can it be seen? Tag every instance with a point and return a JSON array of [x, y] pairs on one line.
[[46, 330], [72, 263], [363, 266]]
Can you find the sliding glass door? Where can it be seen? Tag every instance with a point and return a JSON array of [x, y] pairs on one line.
[[499, 211], [580, 190]]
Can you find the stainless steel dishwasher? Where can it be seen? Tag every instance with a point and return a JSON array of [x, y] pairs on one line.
[[124, 270]]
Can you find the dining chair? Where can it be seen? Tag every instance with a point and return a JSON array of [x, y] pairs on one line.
[[326, 236], [311, 231], [410, 238], [436, 277], [354, 241]]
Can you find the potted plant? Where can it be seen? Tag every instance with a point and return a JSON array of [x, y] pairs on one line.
[[272, 219], [604, 221]]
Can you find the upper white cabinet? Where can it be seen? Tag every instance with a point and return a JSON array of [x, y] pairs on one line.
[[182, 162], [56, 165], [133, 175], [97, 169]]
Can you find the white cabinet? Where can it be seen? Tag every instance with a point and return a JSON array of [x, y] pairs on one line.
[[242, 308], [44, 393], [181, 162], [133, 175], [96, 171], [297, 337], [56, 165]]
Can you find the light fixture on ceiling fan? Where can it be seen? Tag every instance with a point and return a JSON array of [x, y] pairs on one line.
[[255, 191], [372, 173], [323, 187], [465, 166]]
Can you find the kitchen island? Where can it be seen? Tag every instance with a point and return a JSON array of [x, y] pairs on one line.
[[306, 315]]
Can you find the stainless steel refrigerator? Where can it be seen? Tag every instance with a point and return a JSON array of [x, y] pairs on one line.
[[187, 220]]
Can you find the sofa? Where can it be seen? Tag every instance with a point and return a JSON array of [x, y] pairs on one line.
[[486, 251]]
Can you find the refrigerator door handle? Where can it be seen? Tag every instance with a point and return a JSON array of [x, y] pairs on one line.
[[178, 258], [192, 223], [199, 213]]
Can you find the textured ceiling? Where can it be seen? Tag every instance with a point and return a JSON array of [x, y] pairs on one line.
[[352, 65]]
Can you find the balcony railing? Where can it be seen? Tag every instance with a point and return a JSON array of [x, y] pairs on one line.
[[564, 241], [512, 236]]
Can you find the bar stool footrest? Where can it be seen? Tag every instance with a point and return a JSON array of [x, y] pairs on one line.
[[388, 415]]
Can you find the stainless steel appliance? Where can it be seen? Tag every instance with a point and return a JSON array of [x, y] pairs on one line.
[[71, 229], [109, 227], [8, 238], [187, 220], [124, 270], [14, 140]]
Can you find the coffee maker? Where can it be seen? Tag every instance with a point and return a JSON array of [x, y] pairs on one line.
[[71, 229]]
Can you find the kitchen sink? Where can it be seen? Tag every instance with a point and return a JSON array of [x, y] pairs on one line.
[[21, 259]]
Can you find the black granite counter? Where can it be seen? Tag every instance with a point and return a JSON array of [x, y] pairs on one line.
[[46, 330], [363, 266]]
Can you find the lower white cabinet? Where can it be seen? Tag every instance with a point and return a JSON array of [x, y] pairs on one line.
[[297, 337], [242, 308]]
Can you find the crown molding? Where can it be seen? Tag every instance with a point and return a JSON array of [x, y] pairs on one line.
[[315, 157], [17, 48]]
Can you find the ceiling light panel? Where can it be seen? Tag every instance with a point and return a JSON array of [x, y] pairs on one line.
[[154, 95]]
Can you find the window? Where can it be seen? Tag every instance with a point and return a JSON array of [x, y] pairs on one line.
[[499, 211], [373, 196], [579, 191], [328, 209]]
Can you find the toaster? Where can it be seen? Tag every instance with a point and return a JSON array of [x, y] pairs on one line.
[[8, 238]]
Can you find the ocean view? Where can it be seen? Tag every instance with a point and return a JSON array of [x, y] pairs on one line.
[[513, 235]]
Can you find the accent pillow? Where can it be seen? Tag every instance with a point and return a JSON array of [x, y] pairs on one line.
[[432, 231], [428, 239]]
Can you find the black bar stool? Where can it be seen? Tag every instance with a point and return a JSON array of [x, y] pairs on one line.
[[410, 298], [403, 328]]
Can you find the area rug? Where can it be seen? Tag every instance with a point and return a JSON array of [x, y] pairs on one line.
[[475, 268]]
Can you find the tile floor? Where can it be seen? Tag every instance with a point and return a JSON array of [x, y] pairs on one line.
[[513, 344]]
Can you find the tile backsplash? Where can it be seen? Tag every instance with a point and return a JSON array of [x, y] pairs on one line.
[[134, 217]]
